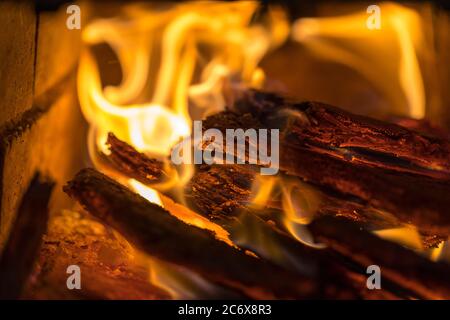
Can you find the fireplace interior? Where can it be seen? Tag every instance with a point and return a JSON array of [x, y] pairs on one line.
[[89, 117]]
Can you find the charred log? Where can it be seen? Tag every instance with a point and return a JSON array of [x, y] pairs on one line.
[[411, 197], [398, 264], [153, 230], [221, 193], [369, 141]]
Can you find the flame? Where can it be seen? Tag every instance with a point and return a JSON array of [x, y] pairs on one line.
[[175, 61], [262, 189], [408, 236], [300, 204], [146, 192], [386, 57], [190, 217]]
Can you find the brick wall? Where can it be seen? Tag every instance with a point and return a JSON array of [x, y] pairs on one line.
[[41, 127]]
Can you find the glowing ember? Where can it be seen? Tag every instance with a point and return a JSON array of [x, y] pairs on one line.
[[175, 61], [200, 45]]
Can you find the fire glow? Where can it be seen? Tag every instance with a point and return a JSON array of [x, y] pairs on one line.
[[201, 46], [187, 52]]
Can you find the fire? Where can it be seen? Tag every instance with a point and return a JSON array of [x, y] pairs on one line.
[[387, 57], [299, 201], [175, 61], [146, 192], [178, 58]]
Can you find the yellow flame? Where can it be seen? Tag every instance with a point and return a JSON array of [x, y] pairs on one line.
[[146, 192], [175, 60], [262, 190], [300, 204], [386, 57], [407, 236], [438, 253], [190, 217]]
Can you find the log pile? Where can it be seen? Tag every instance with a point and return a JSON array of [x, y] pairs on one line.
[[360, 167], [155, 231], [221, 193]]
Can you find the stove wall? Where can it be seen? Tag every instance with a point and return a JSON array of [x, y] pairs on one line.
[[41, 128]]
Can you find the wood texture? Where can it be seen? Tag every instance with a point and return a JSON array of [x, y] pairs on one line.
[[153, 230], [222, 194]]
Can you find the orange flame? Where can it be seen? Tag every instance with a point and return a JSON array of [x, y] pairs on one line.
[[386, 57], [177, 58]]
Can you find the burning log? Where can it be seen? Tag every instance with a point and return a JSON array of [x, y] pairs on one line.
[[412, 198], [226, 207], [398, 264], [23, 245], [153, 230], [237, 180], [316, 168], [230, 206], [351, 137], [347, 241]]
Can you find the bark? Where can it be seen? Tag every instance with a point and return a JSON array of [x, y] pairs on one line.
[[413, 198], [153, 230], [370, 141], [222, 193], [398, 264]]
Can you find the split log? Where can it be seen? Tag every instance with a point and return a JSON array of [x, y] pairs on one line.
[[152, 229], [411, 197], [134, 164], [398, 264], [23, 245], [348, 242], [370, 141], [221, 193]]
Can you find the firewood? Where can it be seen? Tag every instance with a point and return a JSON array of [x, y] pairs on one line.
[[235, 193], [352, 137], [230, 202], [411, 197], [152, 229], [237, 179], [23, 245], [230, 206], [398, 264], [133, 163], [348, 238], [333, 203]]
